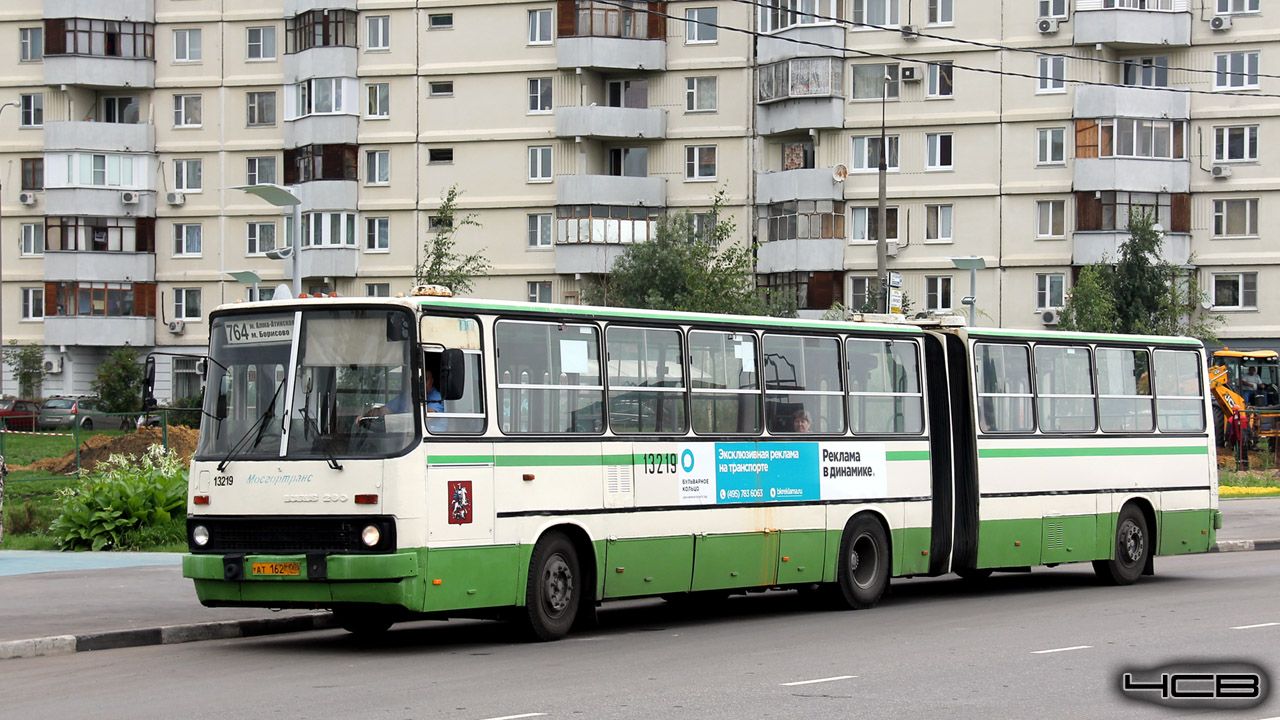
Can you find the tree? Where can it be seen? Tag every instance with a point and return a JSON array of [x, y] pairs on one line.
[[690, 268], [119, 382], [440, 263], [27, 364], [1139, 293]]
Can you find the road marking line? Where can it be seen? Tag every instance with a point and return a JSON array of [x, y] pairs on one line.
[[819, 680], [517, 717], [1250, 627], [1058, 650]]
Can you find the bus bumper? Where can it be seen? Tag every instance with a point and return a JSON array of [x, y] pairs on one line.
[[325, 581]]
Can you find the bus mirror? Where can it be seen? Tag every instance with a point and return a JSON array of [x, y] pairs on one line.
[[220, 410], [453, 374], [149, 384]]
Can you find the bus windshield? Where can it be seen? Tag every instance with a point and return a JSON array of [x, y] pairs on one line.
[[350, 394]]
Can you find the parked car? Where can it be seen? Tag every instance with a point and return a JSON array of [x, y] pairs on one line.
[[19, 414], [65, 412]]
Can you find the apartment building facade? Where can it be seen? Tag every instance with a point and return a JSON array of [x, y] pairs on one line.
[[571, 126]]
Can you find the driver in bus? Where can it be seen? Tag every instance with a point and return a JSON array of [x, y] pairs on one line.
[[402, 403]]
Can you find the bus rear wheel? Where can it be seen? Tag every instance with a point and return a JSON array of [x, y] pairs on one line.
[[362, 621], [863, 573], [553, 593], [1132, 549]]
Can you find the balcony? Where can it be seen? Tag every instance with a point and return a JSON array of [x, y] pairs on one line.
[[1124, 28], [294, 7], [1132, 174], [328, 194], [607, 37], [806, 184], [326, 262], [793, 42], [99, 266], [99, 71], [316, 62], [124, 10], [1130, 102], [604, 53], [99, 331], [321, 130], [611, 190], [800, 93], [1093, 247], [799, 255], [593, 259], [611, 122], [787, 116], [99, 202], [100, 137]]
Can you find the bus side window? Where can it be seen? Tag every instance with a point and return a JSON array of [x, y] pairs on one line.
[[1124, 393], [559, 377], [884, 386], [1179, 404], [1004, 387], [646, 380], [725, 382]]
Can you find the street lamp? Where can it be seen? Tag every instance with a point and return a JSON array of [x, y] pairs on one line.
[[973, 264], [246, 277], [282, 197], [882, 211]]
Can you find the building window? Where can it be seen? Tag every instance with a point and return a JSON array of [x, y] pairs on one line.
[[98, 299], [1235, 291], [261, 108], [32, 303], [259, 294], [941, 12], [121, 109], [937, 292], [260, 171], [1129, 137], [1236, 7], [1113, 210], [1235, 218], [31, 41], [1236, 71], [440, 88], [539, 230], [865, 224], [33, 173], [186, 303], [700, 94], [866, 153], [320, 96], [1050, 290], [1235, 144], [377, 234], [328, 228], [186, 111], [880, 13], [379, 100], [1051, 146], [938, 151], [540, 291], [377, 289], [794, 220], [186, 45], [439, 156], [700, 25], [261, 42], [800, 77], [437, 224], [188, 175], [940, 79], [862, 295], [321, 28], [378, 38], [1051, 218], [699, 162], [260, 237], [540, 163], [870, 83], [937, 224], [32, 239], [377, 167], [582, 224], [32, 110], [1053, 75], [539, 95], [98, 38], [186, 376], [440, 21], [540, 27], [1150, 71], [186, 239], [1053, 8]]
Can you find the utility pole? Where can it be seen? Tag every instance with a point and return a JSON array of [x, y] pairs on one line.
[[882, 212]]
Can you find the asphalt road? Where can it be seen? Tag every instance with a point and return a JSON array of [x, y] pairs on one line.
[[1046, 644]]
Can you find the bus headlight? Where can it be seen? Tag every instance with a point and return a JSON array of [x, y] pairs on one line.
[[371, 535], [200, 535]]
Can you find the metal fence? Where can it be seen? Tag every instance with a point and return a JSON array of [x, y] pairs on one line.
[[39, 451]]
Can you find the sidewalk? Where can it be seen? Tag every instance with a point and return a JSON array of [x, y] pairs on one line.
[[54, 603]]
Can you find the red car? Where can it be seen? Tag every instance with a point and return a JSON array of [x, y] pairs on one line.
[[19, 414]]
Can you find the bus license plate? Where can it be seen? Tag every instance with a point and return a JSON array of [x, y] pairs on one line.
[[277, 568]]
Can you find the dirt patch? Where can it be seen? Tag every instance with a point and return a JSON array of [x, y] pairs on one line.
[[96, 449]]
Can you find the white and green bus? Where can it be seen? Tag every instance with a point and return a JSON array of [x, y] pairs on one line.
[[393, 459]]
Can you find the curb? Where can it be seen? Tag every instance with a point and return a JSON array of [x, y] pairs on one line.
[[165, 635], [1243, 545]]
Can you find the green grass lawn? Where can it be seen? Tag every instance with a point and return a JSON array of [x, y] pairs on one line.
[[23, 449], [29, 507]]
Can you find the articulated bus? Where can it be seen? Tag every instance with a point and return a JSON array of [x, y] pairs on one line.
[[394, 459]]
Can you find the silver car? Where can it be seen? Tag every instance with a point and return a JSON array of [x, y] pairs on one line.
[[66, 412]]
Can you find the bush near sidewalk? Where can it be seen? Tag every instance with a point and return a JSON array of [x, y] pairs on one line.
[[133, 503]]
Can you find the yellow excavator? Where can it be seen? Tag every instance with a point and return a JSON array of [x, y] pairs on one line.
[[1246, 392]]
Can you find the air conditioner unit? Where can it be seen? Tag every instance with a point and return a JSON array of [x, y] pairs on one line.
[[910, 32], [175, 198], [27, 198], [1220, 23], [1048, 26], [177, 326], [912, 73], [891, 248], [53, 367], [129, 197], [1050, 316], [1221, 171]]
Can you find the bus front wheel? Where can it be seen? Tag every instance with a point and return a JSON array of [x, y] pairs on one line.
[[863, 574], [552, 595], [362, 621], [1132, 549]]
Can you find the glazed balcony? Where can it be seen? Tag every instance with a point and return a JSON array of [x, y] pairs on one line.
[[608, 37]]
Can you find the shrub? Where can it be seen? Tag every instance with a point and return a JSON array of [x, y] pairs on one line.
[[122, 507], [190, 414], [119, 382]]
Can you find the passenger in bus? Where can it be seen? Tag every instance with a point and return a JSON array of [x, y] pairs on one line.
[[800, 421]]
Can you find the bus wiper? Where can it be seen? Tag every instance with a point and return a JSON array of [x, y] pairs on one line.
[[259, 426], [314, 427]]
